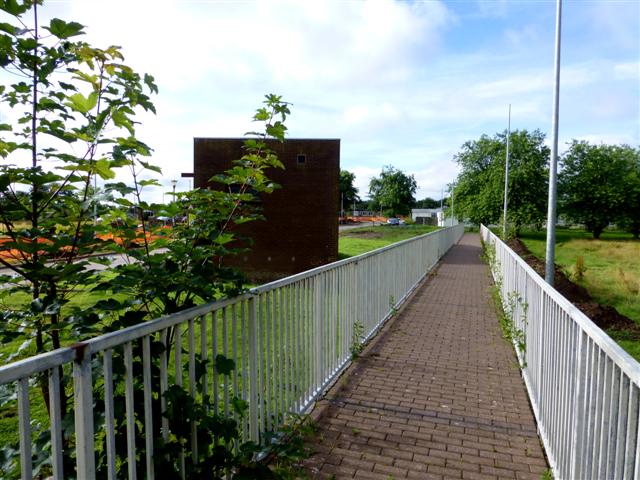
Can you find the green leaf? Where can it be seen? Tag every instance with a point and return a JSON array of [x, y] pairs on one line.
[[224, 365], [83, 104], [103, 168], [13, 7], [7, 27], [63, 30]]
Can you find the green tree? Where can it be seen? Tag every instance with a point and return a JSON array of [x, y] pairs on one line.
[[629, 218], [480, 184], [75, 107], [596, 185], [348, 191], [427, 203], [393, 191]]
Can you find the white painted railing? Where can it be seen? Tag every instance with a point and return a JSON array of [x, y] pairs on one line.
[[583, 387], [289, 340]]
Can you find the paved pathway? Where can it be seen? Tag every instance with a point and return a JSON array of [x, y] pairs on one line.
[[438, 395]]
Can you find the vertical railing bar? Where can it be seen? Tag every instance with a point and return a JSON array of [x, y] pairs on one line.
[[178, 356], [633, 443], [234, 352], [291, 346], [613, 419], [299, 363], [107, 358], [56, 423], [214, 356], [636, 468], [606, 405], [164, 384], [318, 324], [563, 386], [148, 414], [192, 387], [253, 369], [591, 404], [602, 371], [130, 414], [225, 339], [261, 374], [281, 360], [316, 339], [273, 313], [83, 405], [178, 381], [271, 415], [204, 357], [305, 341], [245, 362], [287, 351], [623, 401], [26, 467], [578, 406]]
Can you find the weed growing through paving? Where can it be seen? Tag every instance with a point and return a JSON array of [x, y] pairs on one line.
[[508, 308], [356, 340], [392, 306], [546, 475]]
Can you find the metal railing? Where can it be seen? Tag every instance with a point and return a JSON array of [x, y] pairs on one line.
[[583, 387], [289, 340]]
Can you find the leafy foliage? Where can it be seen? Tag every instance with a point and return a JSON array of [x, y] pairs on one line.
[[428, 202], [598, 184], [480, 185], [348, 192], [393, 191], [75, 107]]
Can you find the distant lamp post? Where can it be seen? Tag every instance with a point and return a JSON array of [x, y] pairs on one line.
[[174, 183], [506, 181]]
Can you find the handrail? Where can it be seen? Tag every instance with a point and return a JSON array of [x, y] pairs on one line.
[[584, 388]]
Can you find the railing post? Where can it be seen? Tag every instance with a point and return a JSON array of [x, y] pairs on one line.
[[578, 407], [25, 429], [83, 404], [254, 434]]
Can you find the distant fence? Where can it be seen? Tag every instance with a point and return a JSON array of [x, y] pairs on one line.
[[583, 387], [289, 340]]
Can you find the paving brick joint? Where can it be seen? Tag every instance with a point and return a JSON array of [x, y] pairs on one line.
[[437, 395]]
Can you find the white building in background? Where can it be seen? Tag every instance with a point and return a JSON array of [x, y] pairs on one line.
[[431, 216]]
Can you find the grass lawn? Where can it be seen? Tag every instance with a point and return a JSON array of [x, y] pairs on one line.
[[360, 240], [612, 270]]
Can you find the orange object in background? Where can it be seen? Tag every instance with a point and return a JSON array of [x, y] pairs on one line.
[[14, 254]]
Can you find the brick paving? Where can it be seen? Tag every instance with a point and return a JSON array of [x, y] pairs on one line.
[[437, 395]]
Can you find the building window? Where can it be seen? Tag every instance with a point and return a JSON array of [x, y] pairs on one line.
[[301, 158]]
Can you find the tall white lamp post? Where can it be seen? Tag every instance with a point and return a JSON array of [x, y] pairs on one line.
[[553, 167]]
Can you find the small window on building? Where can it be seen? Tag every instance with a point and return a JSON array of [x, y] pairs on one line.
[[301, 158]]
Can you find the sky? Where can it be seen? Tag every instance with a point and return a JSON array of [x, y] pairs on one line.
[[402, 83]]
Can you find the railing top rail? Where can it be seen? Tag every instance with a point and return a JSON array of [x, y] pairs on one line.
[[55, 358], [625, 361], [45, 361], [330, 266]]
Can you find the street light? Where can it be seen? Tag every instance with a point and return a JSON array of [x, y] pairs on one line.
[[553, 164], [506, 181], [174, 183]]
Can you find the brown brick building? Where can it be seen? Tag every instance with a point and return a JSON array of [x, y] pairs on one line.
[[301, 230]]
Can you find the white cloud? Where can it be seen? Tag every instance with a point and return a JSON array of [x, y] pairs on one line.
[[400, 83], [628, 70]]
